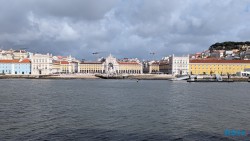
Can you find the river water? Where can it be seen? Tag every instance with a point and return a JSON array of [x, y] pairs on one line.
[[122, 110]]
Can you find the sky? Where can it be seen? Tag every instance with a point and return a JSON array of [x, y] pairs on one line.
[[124, 28]]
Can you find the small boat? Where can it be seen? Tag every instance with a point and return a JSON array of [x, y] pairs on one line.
[[180, 78]]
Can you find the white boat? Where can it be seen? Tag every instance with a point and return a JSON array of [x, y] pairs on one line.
[[180, 78]]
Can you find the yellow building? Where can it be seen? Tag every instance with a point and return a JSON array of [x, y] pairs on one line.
[[56, 68], [99, 67], [64, 67], [130, 67], [164, 66], [222, 67], [151, 67], [154, 67], [91, 67], [111, 65]]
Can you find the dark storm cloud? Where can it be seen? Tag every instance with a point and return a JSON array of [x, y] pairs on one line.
[[126, 28], [77, 9]]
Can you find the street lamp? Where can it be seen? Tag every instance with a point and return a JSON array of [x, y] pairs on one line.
[[152, 53], [96, 54]]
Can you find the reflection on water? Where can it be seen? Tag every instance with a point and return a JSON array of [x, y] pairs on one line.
[[122, 110]]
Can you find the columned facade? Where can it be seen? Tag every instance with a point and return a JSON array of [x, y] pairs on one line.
[[222, 67], [111, 66], [41, 64], [130, 67], [91, 67], [179, 65]]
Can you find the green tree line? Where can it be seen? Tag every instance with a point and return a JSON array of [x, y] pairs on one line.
[[229, 45]]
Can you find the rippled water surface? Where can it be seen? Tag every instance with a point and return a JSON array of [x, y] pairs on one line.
[[122, 110]]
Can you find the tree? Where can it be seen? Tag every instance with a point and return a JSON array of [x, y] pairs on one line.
[[228, 45]]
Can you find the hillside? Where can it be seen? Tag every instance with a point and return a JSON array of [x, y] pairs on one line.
[[229, 45]]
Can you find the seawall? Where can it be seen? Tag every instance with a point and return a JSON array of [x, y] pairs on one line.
[[76, 76], [137, 76]]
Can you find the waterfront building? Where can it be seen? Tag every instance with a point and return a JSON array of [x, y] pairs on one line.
[[68, 67], [64, 64], [111, 65], [5, 66], [164, 66], [145, 66], [64, 67], [22, 66], [223, 67], [178, 65], [41, 64], [56, 67], [151, 67], [74, 66], [154, 67], [130, 67], [91, 67]]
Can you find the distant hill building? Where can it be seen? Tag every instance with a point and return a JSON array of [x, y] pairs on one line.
[[217, 54], [20, 54]]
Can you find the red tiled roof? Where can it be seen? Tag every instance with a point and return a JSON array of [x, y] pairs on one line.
[[155, 63], [15, 61], [56, 62], [25, 61], [64, 62], [219, 61], [8, 61]]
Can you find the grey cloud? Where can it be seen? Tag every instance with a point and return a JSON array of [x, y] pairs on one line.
[[126, 28], [78, 9]]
